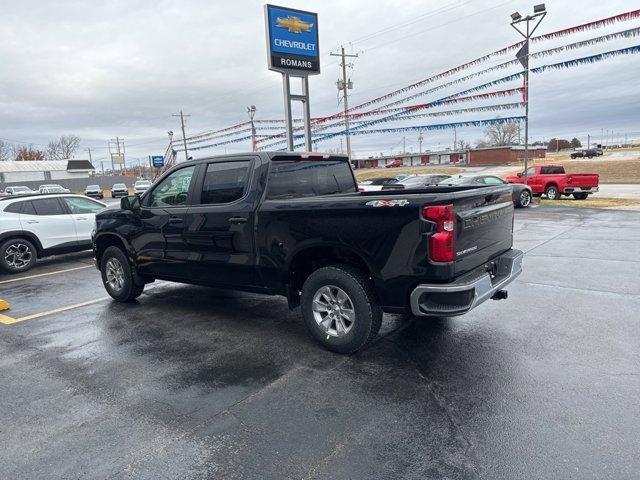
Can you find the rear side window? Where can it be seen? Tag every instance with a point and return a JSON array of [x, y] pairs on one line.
[[14, 207], [48, 206], [307, 178], [224, 182], [493, 181]]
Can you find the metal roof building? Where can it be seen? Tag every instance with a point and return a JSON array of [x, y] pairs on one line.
[[44, 170]]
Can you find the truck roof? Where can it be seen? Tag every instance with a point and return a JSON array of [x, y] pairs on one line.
[[269, 155]]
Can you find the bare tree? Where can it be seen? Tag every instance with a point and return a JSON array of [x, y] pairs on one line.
[[500, 134], [63, 148], [462, 145], [6, 151], [28, 153]]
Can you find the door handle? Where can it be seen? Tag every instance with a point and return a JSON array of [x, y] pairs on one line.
[[175, 221], [81, 218], [33, 221], [237, 220]]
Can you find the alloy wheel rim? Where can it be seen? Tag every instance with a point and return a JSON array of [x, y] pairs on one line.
[[552, 194], [525, 198], [114, 274], [18, 255], [333, 311]]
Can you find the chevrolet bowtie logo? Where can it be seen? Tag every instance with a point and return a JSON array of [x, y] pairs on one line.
[[294, 24]]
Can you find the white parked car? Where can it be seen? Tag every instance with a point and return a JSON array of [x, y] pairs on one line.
[[54, 188], [18, 190], [375, 184], [34, 226], [119, 190], [141, 186]]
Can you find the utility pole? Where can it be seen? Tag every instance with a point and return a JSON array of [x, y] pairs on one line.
[[184, 135], [539, 12], [404, 145], [119, 153], [588, 141], [345, 85], [90, 160], [420, 142], [251, 111], [455, 137]]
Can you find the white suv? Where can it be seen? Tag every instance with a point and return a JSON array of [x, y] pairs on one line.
[[141, 186], [33, 226]]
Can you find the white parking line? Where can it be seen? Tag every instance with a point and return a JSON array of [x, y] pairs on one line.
[[11, 280]]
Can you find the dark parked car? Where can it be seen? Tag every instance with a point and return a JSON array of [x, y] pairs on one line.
[[417, 181], [521, 193], [586, 153], [293, 224]]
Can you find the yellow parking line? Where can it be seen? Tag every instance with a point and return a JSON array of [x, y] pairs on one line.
[[11, 280], [9, 320]]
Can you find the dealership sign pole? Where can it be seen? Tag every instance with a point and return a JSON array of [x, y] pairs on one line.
[[293, 50]]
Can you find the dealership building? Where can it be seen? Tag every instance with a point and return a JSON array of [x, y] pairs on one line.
[[44, 170], [504, 155]]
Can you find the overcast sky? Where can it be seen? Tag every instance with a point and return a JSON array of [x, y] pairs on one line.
[[123, 67]]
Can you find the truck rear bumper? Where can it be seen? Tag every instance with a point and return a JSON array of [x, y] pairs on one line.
[[580, 190], [468, 291]]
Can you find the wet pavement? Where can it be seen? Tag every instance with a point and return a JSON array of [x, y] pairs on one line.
[[192, 382]]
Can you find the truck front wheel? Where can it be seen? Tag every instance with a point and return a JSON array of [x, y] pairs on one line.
[[117, 276], [340, 309]]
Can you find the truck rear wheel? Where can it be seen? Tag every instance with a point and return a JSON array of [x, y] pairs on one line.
[[552, 192], [580, 196], [340, 309]]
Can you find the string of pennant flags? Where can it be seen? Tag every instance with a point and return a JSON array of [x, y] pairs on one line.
[[396, 109], [624, 34]]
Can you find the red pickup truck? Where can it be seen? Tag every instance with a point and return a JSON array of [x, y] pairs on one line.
[[554, 182]]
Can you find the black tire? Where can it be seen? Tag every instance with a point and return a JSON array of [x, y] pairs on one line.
[[367, 314], [524, 199], [552, 193], [17, 255], [580, 196], [128, 290]]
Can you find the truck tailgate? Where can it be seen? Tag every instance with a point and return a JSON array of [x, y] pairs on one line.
[[484, 227], [582, 179]]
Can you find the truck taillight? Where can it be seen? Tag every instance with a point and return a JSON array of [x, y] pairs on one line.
[[360, 189], [442, 243]]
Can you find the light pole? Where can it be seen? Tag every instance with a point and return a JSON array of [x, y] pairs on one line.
[[252, 112], [539, 12]]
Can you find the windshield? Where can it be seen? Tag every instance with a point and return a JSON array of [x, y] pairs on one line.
[[119, 185], [93, 187], [21, 189], [143, 183]]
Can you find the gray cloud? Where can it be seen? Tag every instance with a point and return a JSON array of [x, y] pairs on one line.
[[101, 69]]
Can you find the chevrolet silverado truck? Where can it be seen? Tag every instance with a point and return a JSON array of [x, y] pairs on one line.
[[294, 224], [554, 182]]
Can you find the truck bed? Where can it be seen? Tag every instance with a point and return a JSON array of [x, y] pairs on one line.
[[386, 228]]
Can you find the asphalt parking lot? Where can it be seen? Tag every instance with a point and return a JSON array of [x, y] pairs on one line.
[[192, 382]]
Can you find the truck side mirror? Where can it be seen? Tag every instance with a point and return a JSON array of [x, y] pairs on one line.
[[519, 174], [131, 202]]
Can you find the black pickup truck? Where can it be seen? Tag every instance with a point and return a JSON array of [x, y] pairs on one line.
[[294, 224]]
